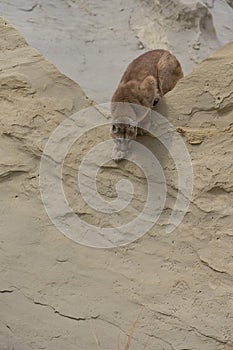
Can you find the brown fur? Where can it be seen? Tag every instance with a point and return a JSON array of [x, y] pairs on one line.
[[146, 79], [149, 76]]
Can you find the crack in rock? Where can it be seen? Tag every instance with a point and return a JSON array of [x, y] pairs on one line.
[[52, 308], [159, 338], [30, 9], [191, 328], [204, 262], [8, 327], [6, 291], [217, 340], [64, 315]]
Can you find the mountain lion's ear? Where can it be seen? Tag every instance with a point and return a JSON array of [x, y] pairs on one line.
[[149, 91], [169, 72]]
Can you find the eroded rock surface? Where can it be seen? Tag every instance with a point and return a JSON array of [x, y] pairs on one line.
[[52, 288]]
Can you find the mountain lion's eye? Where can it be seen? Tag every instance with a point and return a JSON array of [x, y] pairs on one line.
[[156, 100]]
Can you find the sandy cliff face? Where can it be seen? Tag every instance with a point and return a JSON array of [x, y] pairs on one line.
[[50, 287], [191, 29]]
